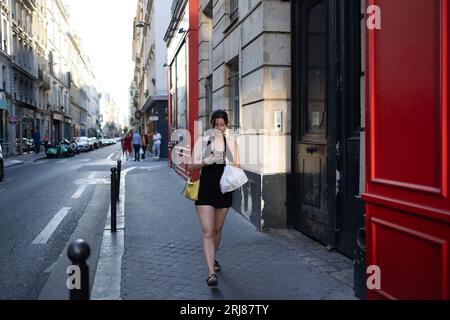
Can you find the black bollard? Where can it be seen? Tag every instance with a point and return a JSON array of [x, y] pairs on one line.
[[119, 171], [78, 282], [113, 199]]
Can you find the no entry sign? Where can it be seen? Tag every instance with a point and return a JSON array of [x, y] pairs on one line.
[[13, 120]]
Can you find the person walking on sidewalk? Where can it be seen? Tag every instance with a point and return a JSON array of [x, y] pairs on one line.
[[137, 142], [127, 150], [144, 144], [157, 144], [37, 141], [212, 205]]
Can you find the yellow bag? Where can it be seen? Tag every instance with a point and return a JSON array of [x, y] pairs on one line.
[[191, 190]]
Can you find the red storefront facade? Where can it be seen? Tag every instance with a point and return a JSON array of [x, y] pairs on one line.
[[182, 55], [402, 126], [407, 163]]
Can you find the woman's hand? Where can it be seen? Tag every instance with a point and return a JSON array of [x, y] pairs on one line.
[[219, 157], [210, 160]]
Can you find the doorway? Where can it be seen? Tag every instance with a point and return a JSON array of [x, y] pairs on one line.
[[326, 42]]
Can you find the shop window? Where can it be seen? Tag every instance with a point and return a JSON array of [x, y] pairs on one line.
[[181, 78]]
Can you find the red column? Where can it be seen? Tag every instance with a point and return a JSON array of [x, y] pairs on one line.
[[192, 51]]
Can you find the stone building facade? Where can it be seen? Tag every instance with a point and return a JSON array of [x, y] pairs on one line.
[[245, 69]]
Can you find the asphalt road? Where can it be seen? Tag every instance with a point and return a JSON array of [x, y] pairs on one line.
[[41, 204]]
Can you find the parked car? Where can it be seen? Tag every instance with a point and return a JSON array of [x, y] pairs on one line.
[[2, 165], [83, 144]]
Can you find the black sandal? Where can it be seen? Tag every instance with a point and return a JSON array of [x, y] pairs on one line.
[[217, 266], [212, 280]]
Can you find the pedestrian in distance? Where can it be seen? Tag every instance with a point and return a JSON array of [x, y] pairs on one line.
[[37, 141], [127, 145], [144, 139], [212, 205], [46, 143], [157, 144], [136, 140]]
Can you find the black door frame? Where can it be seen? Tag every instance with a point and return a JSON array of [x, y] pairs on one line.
[[349, 131], [343, 92], [298, 56]]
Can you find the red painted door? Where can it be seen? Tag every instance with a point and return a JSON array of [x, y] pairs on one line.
[[407, 165]]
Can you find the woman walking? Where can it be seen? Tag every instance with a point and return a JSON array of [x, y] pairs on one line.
[[127, 145], [212, 205]]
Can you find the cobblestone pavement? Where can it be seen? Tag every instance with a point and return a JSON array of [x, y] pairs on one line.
[[163, 258]]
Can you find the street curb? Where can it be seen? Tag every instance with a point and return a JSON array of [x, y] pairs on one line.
[[15, 164]]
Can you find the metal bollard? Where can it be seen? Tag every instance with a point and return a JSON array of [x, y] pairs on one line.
[[113, 199], [78, 282], [119, 171]]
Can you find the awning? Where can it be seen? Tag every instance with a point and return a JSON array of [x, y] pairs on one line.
[[3, 104], [3, 101], [152, 100], [59, 117]]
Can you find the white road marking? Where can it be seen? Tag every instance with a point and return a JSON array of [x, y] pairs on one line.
[[92, 175], [45, 235], [96, 181], [79, 192], [110, 259], [110, 156], [40, 162], [50, 269]]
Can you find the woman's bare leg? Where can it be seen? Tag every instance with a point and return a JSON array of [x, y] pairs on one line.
[[221, 214], [207, 221]]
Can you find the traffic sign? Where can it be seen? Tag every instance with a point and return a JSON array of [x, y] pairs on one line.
[[13, 120]]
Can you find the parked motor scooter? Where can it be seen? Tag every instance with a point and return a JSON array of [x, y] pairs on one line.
[[71, 147], [58, 150]]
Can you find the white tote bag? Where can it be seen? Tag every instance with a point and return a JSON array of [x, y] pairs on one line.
[[232, 179]]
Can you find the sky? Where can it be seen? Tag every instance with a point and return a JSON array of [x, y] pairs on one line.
[[105, 28]]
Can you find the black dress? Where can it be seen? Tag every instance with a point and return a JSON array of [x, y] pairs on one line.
[[209, 193]]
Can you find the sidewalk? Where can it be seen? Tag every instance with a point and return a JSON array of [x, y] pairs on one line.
[[24, 158], [163, 258]]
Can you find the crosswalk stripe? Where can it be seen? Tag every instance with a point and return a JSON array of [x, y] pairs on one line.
[[79, 192]]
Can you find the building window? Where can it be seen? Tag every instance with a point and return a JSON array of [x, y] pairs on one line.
[[233, 68], [4, 43], [209, 97], [4, 78], [234, 10]]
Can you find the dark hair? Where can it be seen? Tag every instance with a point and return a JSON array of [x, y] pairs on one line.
[[219, 114]]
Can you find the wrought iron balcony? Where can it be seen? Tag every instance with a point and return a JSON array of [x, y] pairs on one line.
[[44, 80]]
